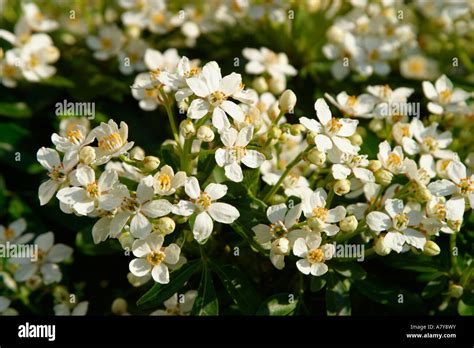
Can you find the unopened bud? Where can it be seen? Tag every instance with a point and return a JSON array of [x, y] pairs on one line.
[[273, 111], [260, 85], [424, 193], [137, 153], [150, 163], [296, 129], [341, 187], [165, 225], [186, 129], [316, 157], [374, 165], [281, 246], [456, 290], [205, 134], [383, 177], [356, 139], [60, 293], [274, 133], [126, 240], [380, 247], [87, 155], [376, 125], [348, 224], [431, 248], [287, 101], [310, 138], [119, 306], [277, 85]]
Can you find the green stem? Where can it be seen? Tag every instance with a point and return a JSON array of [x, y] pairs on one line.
[[171, 118], [186, 163], [454, 258], [290, 166]]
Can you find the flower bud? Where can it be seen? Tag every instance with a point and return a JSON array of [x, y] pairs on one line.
[[296, 129], [424, 193], [273, 111], [205, 134], [348, 224], [186, 129], [260, 85], [383, 177], [60, 293], [119, 306], [165, 225], [341, 187], [310, 138], [277, 85], [455, 290], [376, 125], [87, 155], [34, 282], [380, 247], [274, 133], [374, 165], [431, 248], [356, 139], [126, 240], [287, 101], [281, 246], [150, 163], [316, 157], [137, 153]]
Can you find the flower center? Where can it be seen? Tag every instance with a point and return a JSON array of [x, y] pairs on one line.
[[217, 98], [192, 72], [334, 125], [430, 144], [236, 153], [351, 101], [278, 229], [111, 142], [158, 18], [374, 55], [400, 222], [445, 96], [320, 213], [164, 182], [466, 185], [394, 159], [316, 255], [130, 204], [75, 136], [34, 61], [155, 257], [106, 43], [9, 233], [56, 173], [93, 190], [204, 201], [9, 70], [440, 211], [39, 255]]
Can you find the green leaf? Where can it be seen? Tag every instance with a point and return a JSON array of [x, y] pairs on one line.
[[278, 305], [317, 283], [465, 309], [15, 110], [337, 295], [350, 270], [206, 302], [377, 290], [12, 134], [412, 262], [58, 81], [238, 286], [161, 292], [85, 244], [435, 287]]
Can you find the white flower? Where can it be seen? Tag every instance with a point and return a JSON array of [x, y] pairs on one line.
[[429, 144], [58, 172], [131, 57], [398, 223], [49, 254], [204, 205], [235, 152], [74, 141], [14, 233], [322, 218], [278, 236], [392, 160], [107, 44], [313, 255], [444, 97], [460, 185], [36, 20], [175, 78], [266, 61], [153, 257], [213, 92], [346, 164], [417, 66], [332, 132], [139, 208], [10, 72], [166, 182], [106, 193], [146, 89], [181, 305], [112, 141], [354, 106], [387, 98], [73, 309]]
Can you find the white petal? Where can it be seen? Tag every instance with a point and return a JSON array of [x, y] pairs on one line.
[[198, 86], [140, 226], [394, 207], [304, 266], [202, 227], [378, 221], [172, 254], [59, 253], [318, 269], [234, 172], [276, 212], [157, 208], [139, 267], [192, 187], [161, 274], [253, 159], [322, 111], [233, 110], [223, 212], [216, 191], [299, 247]]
